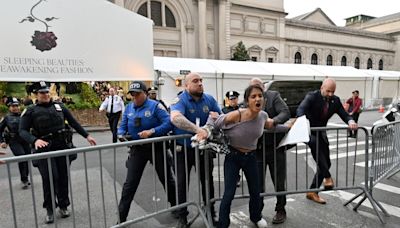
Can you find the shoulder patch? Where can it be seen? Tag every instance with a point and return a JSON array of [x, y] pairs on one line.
[[160, 106], [175, 100], [1, 120], [58, 107]]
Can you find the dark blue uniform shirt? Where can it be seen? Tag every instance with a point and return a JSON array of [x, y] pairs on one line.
[[139, 118], [193, 109]]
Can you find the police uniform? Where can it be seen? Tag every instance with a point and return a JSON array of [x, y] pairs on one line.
[[47, 121], [231, 95], [9, 126], [193, 110], [151, 115], [154, 90]]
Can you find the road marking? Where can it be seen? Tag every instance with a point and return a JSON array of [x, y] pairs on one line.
[[378, 163], [392, 210], [341, 145], [387, 188], [344, 154]]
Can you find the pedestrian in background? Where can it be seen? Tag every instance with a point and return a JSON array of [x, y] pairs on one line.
[[152, 93], [144, 118], [9, 127], [319, 106], [43, 126], [354, 110], [114, 106]]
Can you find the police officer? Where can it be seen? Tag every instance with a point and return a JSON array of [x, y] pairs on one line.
[[152, 93], [192, 106], [233, 101], [9, 135], [144, 118], [47, 118]]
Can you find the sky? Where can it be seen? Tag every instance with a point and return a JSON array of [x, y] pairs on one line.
[[337, 10]]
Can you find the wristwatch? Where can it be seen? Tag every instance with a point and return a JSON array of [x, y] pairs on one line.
[[153, 131]]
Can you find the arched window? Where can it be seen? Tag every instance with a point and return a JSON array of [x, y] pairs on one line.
[[357, 63], [329, 60], [381, 64], [343, 62], [160, 17], [297, 58], [314, 59], [369, 64]]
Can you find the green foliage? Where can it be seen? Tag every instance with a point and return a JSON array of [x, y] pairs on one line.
[[240, 53], [89, 98], [3, 88], [3, 108]]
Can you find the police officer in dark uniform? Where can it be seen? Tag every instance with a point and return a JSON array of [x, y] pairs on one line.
[[144, 118], [46, 119], [233, 101], [152, 94], [9, 135]]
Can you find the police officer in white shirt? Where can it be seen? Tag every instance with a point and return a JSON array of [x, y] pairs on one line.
[[114, 105]]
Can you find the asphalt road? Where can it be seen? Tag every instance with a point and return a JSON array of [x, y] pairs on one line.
[[147, 200]]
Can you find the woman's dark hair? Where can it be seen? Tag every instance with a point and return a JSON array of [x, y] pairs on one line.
[[248, 91]]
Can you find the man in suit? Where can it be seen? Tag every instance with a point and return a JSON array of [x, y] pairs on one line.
[[319, 106], [275, 159]]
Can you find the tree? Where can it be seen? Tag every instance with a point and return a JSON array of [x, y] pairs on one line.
[[240, 53]]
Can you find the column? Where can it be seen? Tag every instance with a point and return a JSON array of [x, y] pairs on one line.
[[222, 29], [203, 52]]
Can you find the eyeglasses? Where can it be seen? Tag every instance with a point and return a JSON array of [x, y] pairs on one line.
[[44, 92]]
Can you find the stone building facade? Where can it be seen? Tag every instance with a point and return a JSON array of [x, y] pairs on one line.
[[212, 29]]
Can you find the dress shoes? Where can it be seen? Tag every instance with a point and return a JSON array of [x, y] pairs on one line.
[[315, 197], [49, 217], [328, 183], [279, 217], [64, 213]]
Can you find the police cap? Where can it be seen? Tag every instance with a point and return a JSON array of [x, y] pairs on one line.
[[12, 101], [41, 86], [232, 94], [137, 86], [152, 89]]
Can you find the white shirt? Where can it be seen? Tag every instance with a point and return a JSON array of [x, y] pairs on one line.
[[117, 106]]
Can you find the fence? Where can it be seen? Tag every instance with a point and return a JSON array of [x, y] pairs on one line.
[[93, 197]]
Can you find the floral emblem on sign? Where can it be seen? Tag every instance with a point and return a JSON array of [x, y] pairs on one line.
[[42, 40]]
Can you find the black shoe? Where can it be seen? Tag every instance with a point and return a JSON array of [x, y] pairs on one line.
[[279, 217], [25, 184], [175, 214], [238, 181], [49, 217], [182, 223], [64, 212]]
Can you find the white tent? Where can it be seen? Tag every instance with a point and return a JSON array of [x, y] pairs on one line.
[[73, 40]]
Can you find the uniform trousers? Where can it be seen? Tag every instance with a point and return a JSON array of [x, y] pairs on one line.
[[113, 119], [138, 158], [60, 177], [18, 148], [320, 151], [181, 175]]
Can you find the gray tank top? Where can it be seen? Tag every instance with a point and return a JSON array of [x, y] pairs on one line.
[[243, 134]]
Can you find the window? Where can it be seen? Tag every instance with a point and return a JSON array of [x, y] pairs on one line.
[[329, 60], [297, 58], [369, 64], [314, 59], [343, 62], [254, 59], [270, 60], [381, 64], [156, 10], [357, 63]]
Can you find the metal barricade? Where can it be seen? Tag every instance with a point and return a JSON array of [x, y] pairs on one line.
[[349, 166], [94, 203]]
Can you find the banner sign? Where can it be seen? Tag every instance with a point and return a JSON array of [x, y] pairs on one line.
[[73, 40]]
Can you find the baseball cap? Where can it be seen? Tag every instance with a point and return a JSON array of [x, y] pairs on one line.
[[137, 86]]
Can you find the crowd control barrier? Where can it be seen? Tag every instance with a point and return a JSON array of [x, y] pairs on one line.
[[95, 181]]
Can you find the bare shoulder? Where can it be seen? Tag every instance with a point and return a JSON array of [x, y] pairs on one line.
[[233, 117]]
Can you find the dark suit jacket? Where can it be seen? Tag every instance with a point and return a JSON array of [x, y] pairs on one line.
[[278, 111], [312, 107]]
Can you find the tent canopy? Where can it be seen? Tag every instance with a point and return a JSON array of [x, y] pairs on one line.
[[74, 40], [274, 70], [383, 74]]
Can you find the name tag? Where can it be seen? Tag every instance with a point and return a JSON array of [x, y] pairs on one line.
[[58, 107]]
